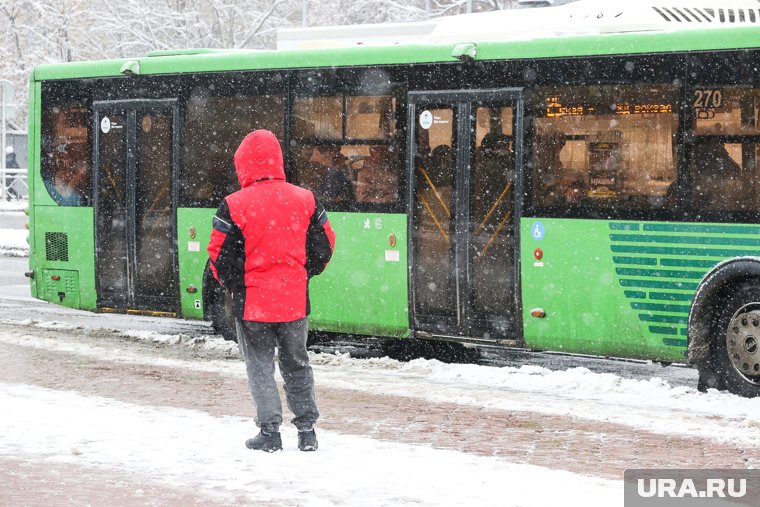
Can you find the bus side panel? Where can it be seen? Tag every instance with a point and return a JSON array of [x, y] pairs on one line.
[[602, 294], [364, 288], [33, 168], [65, 244], [193, 233]]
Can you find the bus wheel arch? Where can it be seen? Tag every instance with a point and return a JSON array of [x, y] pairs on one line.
[[725, 294], [216, 307]]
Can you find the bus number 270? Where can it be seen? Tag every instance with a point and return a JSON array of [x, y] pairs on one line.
[[708, 99]]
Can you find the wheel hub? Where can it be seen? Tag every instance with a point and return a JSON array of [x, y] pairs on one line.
[[743, 343]]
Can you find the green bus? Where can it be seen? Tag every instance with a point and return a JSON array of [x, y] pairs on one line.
[[592, 193]]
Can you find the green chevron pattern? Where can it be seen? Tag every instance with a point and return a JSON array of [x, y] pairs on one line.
[[659, 266]]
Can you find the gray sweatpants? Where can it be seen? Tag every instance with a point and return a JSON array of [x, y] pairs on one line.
[[257, 341]]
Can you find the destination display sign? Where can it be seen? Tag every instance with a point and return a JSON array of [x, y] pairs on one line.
[[556, 108]]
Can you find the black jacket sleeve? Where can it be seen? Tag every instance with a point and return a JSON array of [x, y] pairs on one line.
[[227, 249], [319, 241]]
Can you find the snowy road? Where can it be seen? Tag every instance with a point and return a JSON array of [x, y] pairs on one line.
[[16, 303]]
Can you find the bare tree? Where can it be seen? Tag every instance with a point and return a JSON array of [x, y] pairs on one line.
[[55, 25], [36, 32], [247, 23], [13, 13]]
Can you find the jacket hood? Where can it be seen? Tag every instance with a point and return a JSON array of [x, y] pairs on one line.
[[259, 157]]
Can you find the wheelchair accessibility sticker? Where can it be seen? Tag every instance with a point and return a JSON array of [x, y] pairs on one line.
[[537, 231]]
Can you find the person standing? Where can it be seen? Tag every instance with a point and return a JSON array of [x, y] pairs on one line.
[[268, 240], [377, 180], [10, 163], [336, 186]]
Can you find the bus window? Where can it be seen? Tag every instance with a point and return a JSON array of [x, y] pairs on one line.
[[66, 167], [318, 118], [214, 128], [326, 172], [344, 150], [605, 146], [724, 155], [370, 118], [492, 168]]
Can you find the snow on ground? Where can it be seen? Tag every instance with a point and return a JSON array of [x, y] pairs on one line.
[[13, 205], [13, 242], [651, 405], [193, 450]]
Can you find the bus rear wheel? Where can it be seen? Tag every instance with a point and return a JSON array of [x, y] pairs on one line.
[[736, 347]]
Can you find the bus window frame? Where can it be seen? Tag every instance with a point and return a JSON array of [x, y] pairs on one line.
[[344, 83], [227, 84], [56, 93], [689, 71], [735, 68], [624, 70], [686, 69]]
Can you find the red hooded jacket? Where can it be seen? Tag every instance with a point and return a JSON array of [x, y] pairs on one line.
[[269, 237]]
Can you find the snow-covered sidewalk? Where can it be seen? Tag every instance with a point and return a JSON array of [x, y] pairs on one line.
[[192, 450], [13, 241]]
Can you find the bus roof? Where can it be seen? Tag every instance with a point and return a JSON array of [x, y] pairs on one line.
[[452, 39], [600, 17], [578, 18]]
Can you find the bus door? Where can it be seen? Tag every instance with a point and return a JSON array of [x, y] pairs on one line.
[[464, 152], [135, 160]]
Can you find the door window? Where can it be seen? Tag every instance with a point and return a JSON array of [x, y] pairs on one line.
[[462, 227], [491, 212], [432, 231], [134, 207], [154, 230], [111, 216]]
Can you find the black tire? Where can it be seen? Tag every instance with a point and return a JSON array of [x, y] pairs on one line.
[[222, 321], [735, 347], [709, 378], [317, 338]]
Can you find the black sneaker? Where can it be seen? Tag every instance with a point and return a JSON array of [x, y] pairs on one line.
[[307, 440], [269, 442]]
